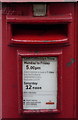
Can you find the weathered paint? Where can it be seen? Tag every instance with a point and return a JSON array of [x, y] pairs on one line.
[[71, 62]]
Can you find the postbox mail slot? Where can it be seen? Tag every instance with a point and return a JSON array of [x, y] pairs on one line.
[[39, 30], [39, 33]]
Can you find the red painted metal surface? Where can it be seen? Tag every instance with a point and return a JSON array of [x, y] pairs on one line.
[[0, 64], [66, 18], [76, 25], [10, 68]]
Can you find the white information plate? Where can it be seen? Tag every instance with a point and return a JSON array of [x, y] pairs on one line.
[[39, 82]]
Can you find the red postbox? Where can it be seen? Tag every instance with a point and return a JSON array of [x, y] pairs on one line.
[[39, 59]]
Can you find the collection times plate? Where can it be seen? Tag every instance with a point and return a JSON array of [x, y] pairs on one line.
[[39, 82]]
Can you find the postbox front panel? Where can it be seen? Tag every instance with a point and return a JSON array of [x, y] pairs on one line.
[[39, 60]]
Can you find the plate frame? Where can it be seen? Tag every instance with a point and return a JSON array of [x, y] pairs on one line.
[[20, 55]]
